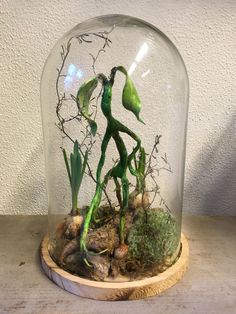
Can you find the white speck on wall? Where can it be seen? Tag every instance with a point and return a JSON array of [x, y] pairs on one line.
[[204, 33]]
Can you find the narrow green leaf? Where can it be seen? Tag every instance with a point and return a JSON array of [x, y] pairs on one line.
[[78, 172], [73, 172], [85, 162], [135, 162], [82, 170], [67, 164], [76, 148]]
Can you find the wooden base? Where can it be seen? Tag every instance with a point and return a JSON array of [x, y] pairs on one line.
[[115, 290]]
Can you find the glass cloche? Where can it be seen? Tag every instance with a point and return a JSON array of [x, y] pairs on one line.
[[114, 95]]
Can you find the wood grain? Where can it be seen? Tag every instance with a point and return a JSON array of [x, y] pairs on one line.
[[209, 285], [114, 290]]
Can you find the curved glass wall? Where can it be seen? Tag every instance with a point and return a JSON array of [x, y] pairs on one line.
[[114, 94]]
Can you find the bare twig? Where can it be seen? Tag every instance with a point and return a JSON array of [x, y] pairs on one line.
[[103, 35], [151, 169], [152, 156], [88, 140]]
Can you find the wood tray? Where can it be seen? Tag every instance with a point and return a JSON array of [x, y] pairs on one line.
[[130, 290]]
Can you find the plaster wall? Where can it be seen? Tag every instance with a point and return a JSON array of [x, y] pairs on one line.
[[204, 33]]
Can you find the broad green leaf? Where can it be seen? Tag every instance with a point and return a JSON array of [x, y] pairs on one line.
[[83, 98], [130, 98]]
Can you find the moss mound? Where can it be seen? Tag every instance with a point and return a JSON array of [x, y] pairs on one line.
[[153, 237]]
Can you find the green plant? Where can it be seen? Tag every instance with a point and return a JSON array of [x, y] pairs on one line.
[[75, 171], [140, 165], [131, 102], [153, 237]]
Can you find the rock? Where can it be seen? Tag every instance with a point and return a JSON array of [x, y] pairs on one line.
[[103, 238], [121, 251], [99, 270], [115, 268], [68, 249], [72, 262], [101, 266]]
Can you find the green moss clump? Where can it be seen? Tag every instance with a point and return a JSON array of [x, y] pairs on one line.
[[153, 237]]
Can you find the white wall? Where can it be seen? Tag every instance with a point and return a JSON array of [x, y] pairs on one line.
[[203, 31]]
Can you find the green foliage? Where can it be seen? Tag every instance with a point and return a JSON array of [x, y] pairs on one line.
[[140, 167], [142, 161], [153, 236], [131, 102], [130, 97], [75, 171], [83, 98]]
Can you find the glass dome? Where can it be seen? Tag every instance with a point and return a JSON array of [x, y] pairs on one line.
[[114, 96]]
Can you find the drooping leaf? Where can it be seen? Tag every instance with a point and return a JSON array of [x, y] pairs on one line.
[[130, 98], [83, 98]]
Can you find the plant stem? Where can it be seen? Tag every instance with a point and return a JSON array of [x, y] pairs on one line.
[[125, 189], [74, 203], [114, 127], [118, 191], [94, 204]]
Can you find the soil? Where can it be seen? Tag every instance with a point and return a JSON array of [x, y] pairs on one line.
[[115, 263]]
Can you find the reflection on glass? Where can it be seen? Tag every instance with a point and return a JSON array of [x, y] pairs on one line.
[[142, 51], [145, 73], [132, 68], [73, 75]]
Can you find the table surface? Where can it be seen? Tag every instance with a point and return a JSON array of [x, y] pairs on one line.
[[209, 286]]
